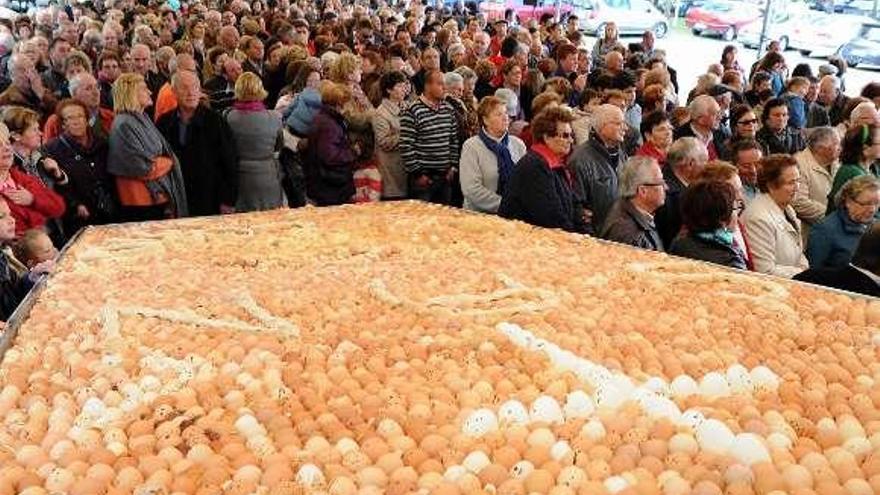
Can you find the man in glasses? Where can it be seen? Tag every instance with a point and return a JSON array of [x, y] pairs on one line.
[[746, 156], [643, 191]]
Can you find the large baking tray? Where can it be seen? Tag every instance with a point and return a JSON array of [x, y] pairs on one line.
[[23, 311]]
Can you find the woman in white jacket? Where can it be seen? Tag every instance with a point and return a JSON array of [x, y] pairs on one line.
[[487, 159], [772, 226]]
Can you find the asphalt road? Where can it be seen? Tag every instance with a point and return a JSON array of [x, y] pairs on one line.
[[691, 55]]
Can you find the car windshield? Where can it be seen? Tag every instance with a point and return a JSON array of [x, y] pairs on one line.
[[717, 6], [872, 33]]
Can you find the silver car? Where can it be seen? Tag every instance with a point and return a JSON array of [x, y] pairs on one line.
[[780, 28], [633, 17]]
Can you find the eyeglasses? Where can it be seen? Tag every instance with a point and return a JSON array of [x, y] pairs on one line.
[[739, 205], [654, 184], [748, 122], [564, 135]]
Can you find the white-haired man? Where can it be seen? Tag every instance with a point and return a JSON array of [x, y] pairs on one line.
[[705, 125], [642, 192]]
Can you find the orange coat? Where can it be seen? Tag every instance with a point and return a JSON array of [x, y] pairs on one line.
[[133, 190], [166, 101]]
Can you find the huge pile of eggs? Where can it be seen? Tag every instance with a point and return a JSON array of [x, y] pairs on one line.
[[402, 348]]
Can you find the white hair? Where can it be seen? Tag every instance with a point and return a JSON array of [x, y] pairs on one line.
[[602, 114], [863, 109], [451, 78], [700, 105], [634, 173], [684, 149], [74, 82]]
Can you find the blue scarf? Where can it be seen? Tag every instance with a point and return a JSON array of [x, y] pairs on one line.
[[502, 153], [723, 236]]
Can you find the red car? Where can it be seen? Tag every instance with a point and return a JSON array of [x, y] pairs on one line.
[[721, 17], [494, 9]]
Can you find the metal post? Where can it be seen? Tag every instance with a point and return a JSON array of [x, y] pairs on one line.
[[762, 43]]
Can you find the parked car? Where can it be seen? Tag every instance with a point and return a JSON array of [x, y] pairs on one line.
[[780, 27], [721, 17], [825, 35], [685, 6], [854, 7], [494, 9], [864, 48], [633, 17]]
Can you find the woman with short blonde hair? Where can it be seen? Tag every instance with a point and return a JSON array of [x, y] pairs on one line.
[[127, 93], [249, 88], [257, 134]]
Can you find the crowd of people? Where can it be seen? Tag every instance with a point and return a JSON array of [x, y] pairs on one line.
[[128, 111]]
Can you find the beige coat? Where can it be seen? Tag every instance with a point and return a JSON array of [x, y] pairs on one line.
[[774, 238], [814, 184], [386, 127]]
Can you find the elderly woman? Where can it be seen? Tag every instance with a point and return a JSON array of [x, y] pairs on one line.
[[720, 171], [24, 132], [257, 135], [395, 87], [89, 194], [330, 156], [859, 156], [771, 223], [833, 240], [709, 211], [469, 81], [605, 44], [488, 159], [149, 180], [541, 187]]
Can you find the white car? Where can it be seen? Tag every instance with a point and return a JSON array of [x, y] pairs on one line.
[[824, 35], [780, 28], [633, 17]]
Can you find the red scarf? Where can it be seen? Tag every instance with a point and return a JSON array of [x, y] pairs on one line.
[[554, 161]]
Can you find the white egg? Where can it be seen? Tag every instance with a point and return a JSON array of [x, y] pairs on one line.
[[545, 409], [616, 484], [683, 386], [692, 418], [453, 473], [714, 385], [748, 449], [609, 397], [593, 429], [310, 475], [714, 436], [578, 404], [560, 449], [521, 469], [479, 423], [658, 386], [513, 412], [476, 461], [764, 378]]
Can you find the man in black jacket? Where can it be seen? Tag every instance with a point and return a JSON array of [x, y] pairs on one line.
[[861, 276], [203, 143]]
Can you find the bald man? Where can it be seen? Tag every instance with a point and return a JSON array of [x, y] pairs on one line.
[[202, 141], [165, 99]]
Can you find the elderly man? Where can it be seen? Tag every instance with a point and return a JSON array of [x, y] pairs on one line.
[[705, 125], [26, 88], [818, 163], [142, 63], [832, 98], [686, 160], [83, 88], [254, 51], [166, 100], [221, 88], [596, 162], [479, 49], [642, 192], [746, 155], [203, 142], [54, 78], [228, 39]]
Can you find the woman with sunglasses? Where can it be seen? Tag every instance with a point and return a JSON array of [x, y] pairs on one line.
[[860, 154], [710, 211], [540, 191], [743, 126], [833, 240]]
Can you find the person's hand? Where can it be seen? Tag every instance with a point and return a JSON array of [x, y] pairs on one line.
[[37, 84], [451, 174], [356, 149], [82, 212], [19, 196], [423, 181], [41, 269], [580, 82], [226, 209], [51, 167]]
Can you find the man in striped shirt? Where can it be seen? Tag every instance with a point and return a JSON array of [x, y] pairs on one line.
[[429, 143]]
